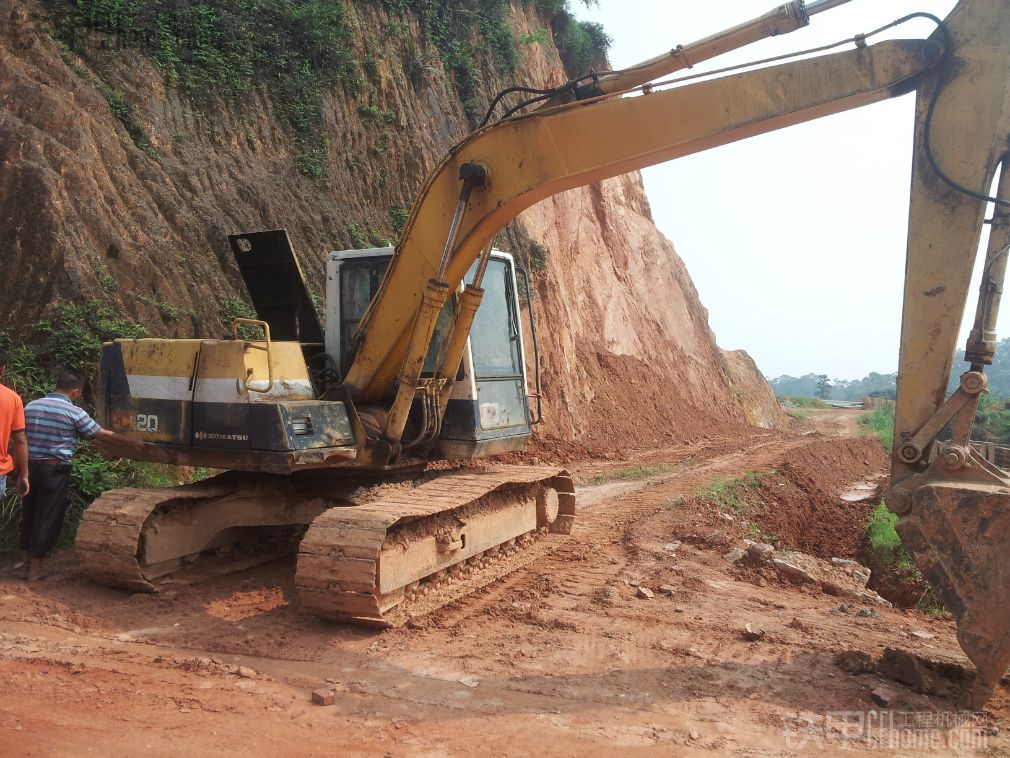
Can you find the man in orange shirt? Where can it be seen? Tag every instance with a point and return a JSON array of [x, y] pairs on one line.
[[12, 436]]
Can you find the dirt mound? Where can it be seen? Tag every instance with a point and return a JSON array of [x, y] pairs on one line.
[[802, 502]]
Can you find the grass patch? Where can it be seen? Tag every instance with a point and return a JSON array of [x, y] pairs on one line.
[[800, 415], [802, 402], [731, 493], [538, 256], [884, 542], [758, 534], [880, 423], [633, 473]]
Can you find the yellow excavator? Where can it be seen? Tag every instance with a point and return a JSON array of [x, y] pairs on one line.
[[325, 433]]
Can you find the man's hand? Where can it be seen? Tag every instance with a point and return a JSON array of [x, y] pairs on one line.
[[106, 437], [21, 482]]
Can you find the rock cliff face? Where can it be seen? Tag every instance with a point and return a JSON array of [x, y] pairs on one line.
[[86, 214], [755, 395]]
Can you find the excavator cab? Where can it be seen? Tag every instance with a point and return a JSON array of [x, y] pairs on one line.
[[488, 411]]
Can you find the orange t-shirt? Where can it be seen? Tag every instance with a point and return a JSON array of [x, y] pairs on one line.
[[12, 419]]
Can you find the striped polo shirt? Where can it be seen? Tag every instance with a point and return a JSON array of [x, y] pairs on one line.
[[53, 424]]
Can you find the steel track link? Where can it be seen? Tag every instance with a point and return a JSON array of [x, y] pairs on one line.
[[108, 538], [340, 558]]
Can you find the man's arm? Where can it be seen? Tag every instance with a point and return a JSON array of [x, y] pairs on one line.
[[88, 428], [119, 440], [19, 442]]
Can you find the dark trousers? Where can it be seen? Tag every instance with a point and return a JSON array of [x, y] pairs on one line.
[[45, 507]]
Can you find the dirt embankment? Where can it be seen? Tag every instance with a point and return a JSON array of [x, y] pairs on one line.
[[627, 351], [805, 500]]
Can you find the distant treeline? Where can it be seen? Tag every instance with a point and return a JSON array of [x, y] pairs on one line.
[[874, 385], [884, 385]]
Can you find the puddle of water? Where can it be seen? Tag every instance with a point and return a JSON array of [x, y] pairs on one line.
[[150, 631], [859, 491]]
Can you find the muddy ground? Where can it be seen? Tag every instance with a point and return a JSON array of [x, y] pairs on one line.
[[567, 655]]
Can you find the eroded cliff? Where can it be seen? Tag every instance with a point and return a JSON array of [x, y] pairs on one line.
[[118, 188]]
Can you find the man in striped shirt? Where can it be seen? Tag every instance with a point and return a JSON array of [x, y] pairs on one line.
[[54, 424]]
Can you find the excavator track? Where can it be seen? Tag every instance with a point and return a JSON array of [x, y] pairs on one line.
[[372, 563], [131, 537]]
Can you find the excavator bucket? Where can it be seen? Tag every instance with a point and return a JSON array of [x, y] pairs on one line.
[[959, 535]]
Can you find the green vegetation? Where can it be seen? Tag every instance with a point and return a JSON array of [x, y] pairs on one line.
[[449, 26], [880, 423], [70, 337], [123, 112], [889, 553], [118, 105], [756, 533], [731, 493], [378, 115], [884, 542], [540, 36], [633, 473], [359, 240], [398, 218], [582, 45], [538, 256], [464, 34], [802, 402], [992, 421], [873, 385], [824, 387], [293, 49], [232, 308]]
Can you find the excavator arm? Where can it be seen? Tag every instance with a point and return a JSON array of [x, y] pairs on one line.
[[524, 160], [954, 505]]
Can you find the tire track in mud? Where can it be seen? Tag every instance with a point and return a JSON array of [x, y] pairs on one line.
[[631, 503]]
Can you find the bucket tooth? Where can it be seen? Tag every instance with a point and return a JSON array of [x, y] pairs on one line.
[[959, 535]]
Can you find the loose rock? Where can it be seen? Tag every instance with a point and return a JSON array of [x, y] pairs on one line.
[[791, 572], [760, 552], [883, 697], [671, 547], [734, 556], [855, 662], [667, 589], [645, 593], [323, 697], [909, 669], [246, 673], [752, 633]]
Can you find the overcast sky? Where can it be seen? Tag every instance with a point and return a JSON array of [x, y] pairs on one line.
[[796, 239]]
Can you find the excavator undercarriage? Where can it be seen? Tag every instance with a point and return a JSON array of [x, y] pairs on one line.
[[366, 548]]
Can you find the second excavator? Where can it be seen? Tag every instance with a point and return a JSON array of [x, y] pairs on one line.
[[325, 432]]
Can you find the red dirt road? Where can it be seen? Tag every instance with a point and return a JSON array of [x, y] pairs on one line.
[[562, 657]]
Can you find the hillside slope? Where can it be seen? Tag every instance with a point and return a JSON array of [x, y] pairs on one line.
[[118, 188]]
